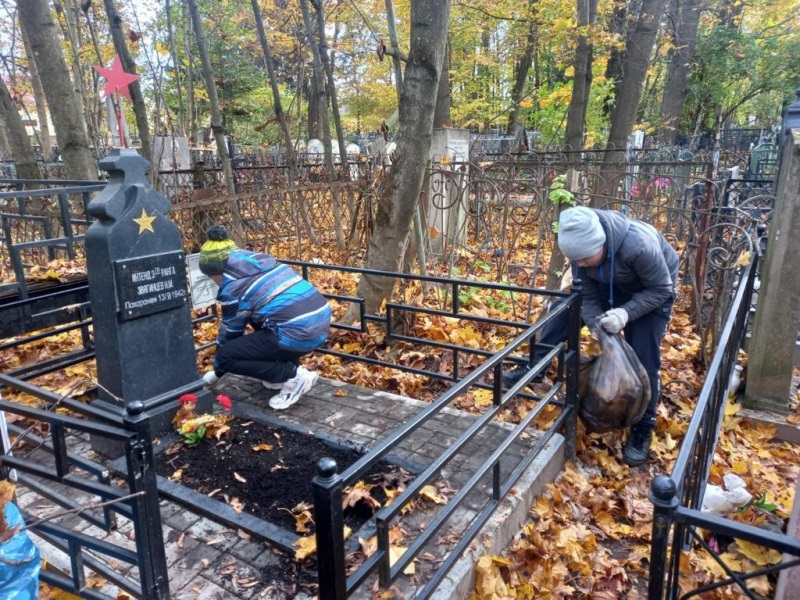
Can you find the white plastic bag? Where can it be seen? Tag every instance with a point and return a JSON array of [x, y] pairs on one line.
[[721, 501]]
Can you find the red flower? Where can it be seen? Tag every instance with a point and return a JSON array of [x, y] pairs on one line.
[[225, 402], [186, 398]]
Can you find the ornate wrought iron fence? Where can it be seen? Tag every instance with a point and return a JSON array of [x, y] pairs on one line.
[[678, 520]]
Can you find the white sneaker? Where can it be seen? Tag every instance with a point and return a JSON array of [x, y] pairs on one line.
[[295, 387], [210, 377]]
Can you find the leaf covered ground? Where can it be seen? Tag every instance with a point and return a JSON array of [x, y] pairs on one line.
[[588, 535]]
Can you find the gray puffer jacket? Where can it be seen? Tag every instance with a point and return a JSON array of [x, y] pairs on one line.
[[639, 263]]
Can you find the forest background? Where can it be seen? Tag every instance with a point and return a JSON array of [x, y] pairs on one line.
[[677, 69]]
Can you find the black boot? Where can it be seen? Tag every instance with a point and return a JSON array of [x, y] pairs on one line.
[[637, 448], [510, 378]]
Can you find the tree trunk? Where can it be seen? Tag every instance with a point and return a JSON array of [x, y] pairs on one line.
[[73, 35], [400, 196], [314, 109], [276, 94], [521, 69], [5, 148], [331, 86], [638, 49], [582, 81], [211, 89], [68, 120], [618, 28], [441, 115], [680, 65], [173, 51], [98, 104], [39, 99], [24, 159], [139, 108], [191, 106], [319, 84]]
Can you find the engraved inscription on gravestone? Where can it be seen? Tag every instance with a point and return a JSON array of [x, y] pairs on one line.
[[150, 284]]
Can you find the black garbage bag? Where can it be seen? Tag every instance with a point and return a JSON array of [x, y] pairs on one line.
[[613, 388]]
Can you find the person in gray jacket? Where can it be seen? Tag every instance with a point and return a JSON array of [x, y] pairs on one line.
[[629, 272]]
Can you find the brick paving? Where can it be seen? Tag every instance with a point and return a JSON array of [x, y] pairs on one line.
[[209, 560]]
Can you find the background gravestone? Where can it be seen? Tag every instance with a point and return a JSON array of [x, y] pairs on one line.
[[140, 305], [445, 214]]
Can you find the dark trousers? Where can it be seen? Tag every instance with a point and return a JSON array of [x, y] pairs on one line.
[[257, 355], [644, 335]]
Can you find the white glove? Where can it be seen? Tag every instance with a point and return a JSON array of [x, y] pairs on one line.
[[614, 320], [210, 377]]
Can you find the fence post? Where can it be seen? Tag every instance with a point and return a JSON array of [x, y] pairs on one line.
[[572, 364], [152, 558], [663, 495], [329, 520]]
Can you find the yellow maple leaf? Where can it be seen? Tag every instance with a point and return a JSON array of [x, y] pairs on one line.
[[360, 492], [432, 495], [743, 260], [758, 554], [307, 545], [489, 583], [732, 408], [395, 552]]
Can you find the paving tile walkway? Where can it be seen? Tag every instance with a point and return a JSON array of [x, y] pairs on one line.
[[208, 560]]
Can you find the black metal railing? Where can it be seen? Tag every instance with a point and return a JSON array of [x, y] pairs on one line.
[[48, 230], [335, 583], [678, 519], [40, 457]]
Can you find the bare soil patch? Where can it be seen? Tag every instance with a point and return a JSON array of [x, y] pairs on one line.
[[266, 471]]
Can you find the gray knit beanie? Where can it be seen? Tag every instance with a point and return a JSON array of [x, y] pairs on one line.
[[580, 234]]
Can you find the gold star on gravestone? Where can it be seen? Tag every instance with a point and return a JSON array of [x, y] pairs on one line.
[[145, 223]]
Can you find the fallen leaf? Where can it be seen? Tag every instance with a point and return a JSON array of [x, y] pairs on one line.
[[395, 553], [236, 505], [262, 448], [429, 493]]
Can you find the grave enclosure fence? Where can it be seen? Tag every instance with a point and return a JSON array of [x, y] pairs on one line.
[[679, 523], [501, 202]]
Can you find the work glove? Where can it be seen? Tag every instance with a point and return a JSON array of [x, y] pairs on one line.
[[614, 320], [210, 377]]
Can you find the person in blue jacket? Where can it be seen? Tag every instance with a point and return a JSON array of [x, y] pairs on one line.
[[287, 314], [629, 272]]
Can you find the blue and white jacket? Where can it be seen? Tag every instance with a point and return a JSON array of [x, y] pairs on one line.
[[258, 290]]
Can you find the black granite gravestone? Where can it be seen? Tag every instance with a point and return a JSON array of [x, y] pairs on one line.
[[140, 303]]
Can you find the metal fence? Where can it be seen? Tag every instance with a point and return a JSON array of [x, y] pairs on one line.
[[679, 523], [337, 582], [40, 456]]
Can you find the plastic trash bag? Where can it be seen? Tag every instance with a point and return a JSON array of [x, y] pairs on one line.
[[613, 388], [19, 559], [724, 500]]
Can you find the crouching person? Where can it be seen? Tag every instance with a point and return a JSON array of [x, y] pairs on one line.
[[629, 273], [289, 318]]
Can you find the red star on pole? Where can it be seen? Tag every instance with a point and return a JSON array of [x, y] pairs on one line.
[[117, 80]]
